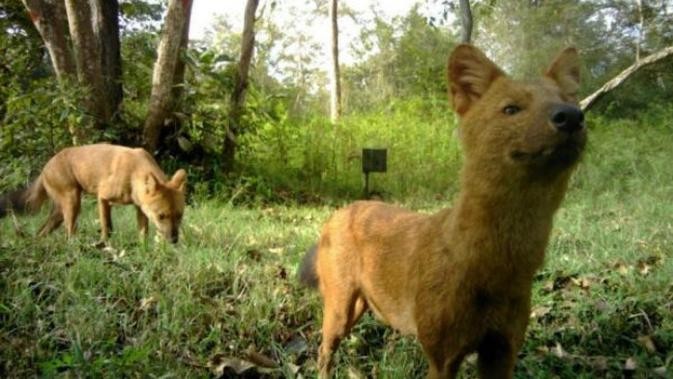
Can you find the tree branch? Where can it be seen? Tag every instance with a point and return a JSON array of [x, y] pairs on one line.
[[615, 82]]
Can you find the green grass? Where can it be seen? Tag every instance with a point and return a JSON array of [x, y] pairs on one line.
[[228, 289]]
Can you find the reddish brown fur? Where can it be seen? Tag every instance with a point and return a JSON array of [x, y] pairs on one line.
[[460, 280], [115, 175]]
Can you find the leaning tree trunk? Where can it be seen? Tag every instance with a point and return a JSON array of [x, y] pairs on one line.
[[163, 78], [615, 82], [87, 56], [466, 20], [49, 18], [238, 95], [335, 82], [107, 30]]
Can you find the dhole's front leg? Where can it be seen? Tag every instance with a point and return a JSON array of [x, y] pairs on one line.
[[443, 362], [497, 356], [105, 218], [497, 351], [142, 222]]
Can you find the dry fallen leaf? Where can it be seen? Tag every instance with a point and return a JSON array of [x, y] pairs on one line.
[[147, 303], [219, 363], [583, 282], [276, 250], [661, 371], [294, 369], [354, 373], [558, 351], [648, 343], [630, 364], [260, 359], [622, 268], [539, 311]]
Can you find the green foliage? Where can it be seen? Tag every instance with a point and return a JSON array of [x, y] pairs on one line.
[[411, 61], [321, 158], [524, 35], [205, 98], [36, 124]]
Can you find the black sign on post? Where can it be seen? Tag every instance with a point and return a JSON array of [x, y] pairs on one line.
[[373, 160]]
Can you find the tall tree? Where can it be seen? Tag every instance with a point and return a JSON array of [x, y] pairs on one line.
[[87, 56], [106, 23], [466, 20], [238, 94], [335, 80], [165, 67], [49, 18], [93, 58]]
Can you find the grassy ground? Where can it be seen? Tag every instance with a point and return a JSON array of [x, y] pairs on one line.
[[226, 295]]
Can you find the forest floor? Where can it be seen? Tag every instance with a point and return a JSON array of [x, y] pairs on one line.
[[225, 298]]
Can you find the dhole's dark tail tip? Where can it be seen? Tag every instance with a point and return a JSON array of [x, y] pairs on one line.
[[307, 273], [14, 201]]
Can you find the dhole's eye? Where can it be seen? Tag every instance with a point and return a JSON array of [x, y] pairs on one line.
[[162, 216], [511, 109]]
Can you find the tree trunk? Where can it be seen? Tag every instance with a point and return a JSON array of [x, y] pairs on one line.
[[238, 95], [180, 66], [335, 77], [466, 20], [87, 56], [107, 30], [641, 30], [615, 82], [164, 75], [49, 18]]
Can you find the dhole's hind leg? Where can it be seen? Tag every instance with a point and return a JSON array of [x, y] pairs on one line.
[[341, 312], [70, 203], [54, 220]]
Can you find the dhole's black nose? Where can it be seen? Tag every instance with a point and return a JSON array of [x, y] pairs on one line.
[[567, 118]]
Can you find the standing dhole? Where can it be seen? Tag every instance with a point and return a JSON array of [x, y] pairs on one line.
[[460, 280], [114, 174]]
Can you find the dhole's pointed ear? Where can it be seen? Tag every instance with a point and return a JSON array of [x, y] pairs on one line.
[[565, 71], [179, 180], [151, 184], [471, 73]]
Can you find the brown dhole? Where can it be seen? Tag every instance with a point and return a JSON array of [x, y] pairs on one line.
[[115, 175], [460, 280]]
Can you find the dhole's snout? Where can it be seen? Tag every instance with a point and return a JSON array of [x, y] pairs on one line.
[[567, 118]]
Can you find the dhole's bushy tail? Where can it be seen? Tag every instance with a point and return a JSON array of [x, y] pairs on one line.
[[24, 200], [308, 276]]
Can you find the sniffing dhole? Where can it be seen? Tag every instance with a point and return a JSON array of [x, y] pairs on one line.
[[460, 280], [115, 175]]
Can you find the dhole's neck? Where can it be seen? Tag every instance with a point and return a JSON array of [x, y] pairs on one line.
[[503, 221]]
